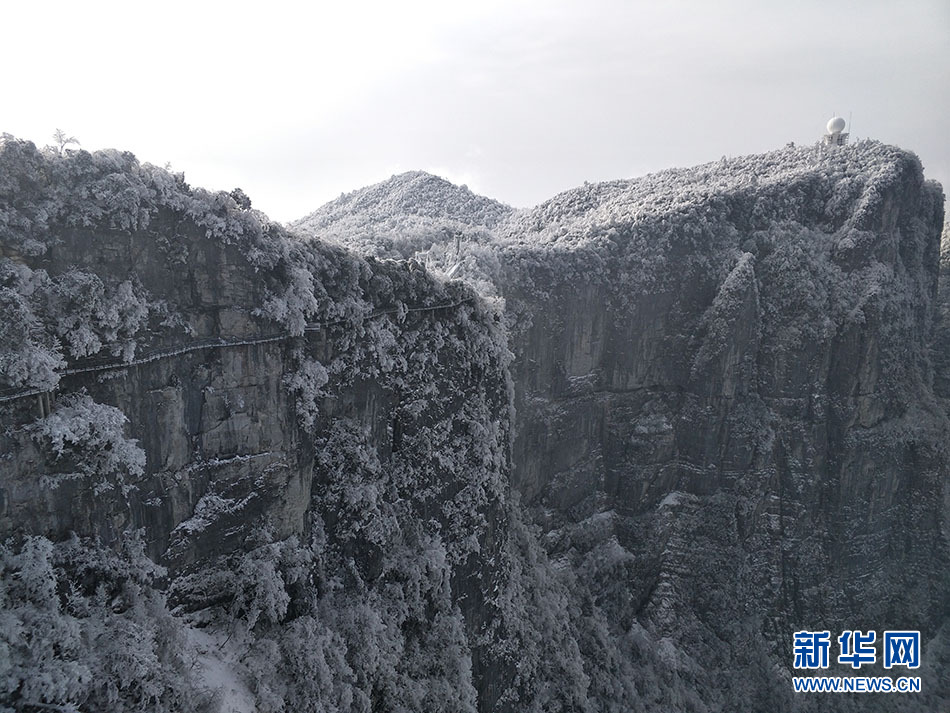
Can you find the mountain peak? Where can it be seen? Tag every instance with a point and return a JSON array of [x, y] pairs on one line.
[[406, 212], [412, 193]]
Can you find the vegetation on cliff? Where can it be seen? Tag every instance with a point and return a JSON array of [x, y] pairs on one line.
[[693, 412]]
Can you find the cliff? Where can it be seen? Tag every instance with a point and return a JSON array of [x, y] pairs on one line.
[[657, 426], [307, 439], [724, 391]]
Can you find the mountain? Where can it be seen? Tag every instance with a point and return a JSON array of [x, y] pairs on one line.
[[401, 216], [311, 445], [726, 420], [657, 427]]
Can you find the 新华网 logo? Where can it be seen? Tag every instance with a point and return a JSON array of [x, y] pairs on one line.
[[812, 650], [900, 648]]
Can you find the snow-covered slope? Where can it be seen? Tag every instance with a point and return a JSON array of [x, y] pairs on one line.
[[404, 215], [819, 184]]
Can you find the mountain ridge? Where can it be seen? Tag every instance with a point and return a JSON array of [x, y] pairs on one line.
[[660, 429]]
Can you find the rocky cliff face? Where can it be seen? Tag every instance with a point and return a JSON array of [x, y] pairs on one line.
[[687, 416], [289, 424], [725, 374]]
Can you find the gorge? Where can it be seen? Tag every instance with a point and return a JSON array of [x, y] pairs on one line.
[[645, 431]]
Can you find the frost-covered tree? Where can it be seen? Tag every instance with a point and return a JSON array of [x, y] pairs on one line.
[[86, 440], [84, 628], [62, 140], [241, 199]]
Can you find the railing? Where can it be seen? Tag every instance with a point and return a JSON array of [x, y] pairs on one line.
[[216, 343]]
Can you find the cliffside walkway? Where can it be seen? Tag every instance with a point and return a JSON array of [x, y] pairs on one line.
[[218, 343]]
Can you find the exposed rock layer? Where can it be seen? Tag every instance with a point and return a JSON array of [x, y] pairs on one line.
[[741, 384]]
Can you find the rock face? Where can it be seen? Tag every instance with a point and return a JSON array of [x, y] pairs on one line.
[[728, 369], [687, 416], [270, 398]]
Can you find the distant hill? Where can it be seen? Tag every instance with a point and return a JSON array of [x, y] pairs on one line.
[[404, 215]]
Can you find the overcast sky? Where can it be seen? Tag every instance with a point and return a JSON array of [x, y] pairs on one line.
[[519, 100]]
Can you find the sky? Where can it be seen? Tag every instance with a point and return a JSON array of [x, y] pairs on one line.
[[296, 103]]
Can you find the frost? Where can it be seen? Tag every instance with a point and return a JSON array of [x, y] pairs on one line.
[[293, 307], [83, 627], [28, 357], [737, 300], [404, 216], [89, 439], [306, 384], [88, 316], [209, 508], [421, 564]]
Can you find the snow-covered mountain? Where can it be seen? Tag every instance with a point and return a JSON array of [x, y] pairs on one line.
[[404, 215], [649, 430]]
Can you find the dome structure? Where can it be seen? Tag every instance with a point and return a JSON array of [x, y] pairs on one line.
[[835, 125]]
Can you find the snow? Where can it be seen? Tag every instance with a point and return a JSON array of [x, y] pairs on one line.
[[306, 383], [672, 499], [90, 436], [403, 216], [209, 508], [217, 669]]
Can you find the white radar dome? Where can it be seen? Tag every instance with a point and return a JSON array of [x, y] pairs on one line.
[[835, 125]]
